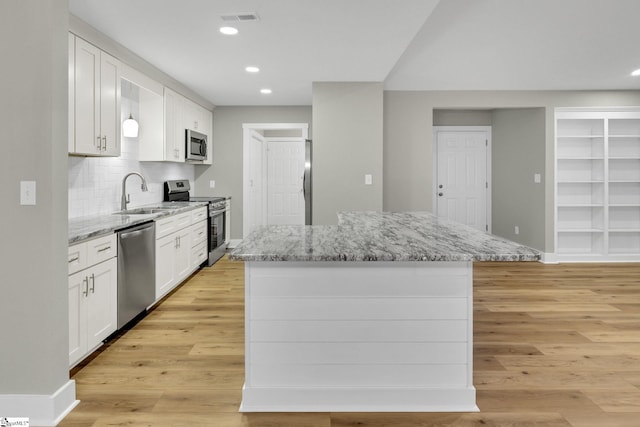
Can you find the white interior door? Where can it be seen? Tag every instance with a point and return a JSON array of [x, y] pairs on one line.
[[285, 166], [463, 175]]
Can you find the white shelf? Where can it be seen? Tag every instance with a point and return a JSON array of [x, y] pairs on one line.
[[595, 221]]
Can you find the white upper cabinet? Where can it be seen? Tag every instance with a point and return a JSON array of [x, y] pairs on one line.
[[72, 92], [174, 129], [180, 114], [199, 119], [94, 106]]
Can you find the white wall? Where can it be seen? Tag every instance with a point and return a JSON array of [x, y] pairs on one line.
[[33, 239], [347, 145], [518, 152]]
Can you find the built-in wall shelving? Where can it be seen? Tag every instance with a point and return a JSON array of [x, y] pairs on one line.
[[598, 185]]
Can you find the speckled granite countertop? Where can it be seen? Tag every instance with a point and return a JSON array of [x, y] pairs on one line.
[[380, 236], [88, 227]]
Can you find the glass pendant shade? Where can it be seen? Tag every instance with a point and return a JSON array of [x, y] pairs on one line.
[[130, 127]]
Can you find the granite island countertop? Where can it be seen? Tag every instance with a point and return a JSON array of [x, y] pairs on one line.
[[380, 236], [88, 227]]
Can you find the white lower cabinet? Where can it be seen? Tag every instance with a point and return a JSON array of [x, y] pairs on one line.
[[199, 253], [174, 250], [183, 254], [93, 295]]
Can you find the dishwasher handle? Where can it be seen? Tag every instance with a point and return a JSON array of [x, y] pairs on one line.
[[136, 231]]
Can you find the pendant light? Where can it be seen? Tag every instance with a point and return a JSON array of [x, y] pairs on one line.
[[130, 127]]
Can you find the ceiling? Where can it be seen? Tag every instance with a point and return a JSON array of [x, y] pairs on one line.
[[408, 44]]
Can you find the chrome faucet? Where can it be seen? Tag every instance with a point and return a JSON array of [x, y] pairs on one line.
[[125, 196]]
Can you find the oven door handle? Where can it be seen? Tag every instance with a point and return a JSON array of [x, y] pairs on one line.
[[218, 212]]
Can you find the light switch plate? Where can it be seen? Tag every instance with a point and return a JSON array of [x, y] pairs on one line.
[[537, 178], [368, 179], [27, 192], [212, 184]]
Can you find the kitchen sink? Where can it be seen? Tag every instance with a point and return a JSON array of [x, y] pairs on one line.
[[143, 211]]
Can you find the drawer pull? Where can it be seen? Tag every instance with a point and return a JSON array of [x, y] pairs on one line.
[[74, 259], [104, 249]]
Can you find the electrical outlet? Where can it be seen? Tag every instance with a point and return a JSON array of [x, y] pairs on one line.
[[517, 229], [537, 178], [368, 179], [212, 184]]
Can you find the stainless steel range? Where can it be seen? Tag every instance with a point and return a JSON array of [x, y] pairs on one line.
[[178, 190]]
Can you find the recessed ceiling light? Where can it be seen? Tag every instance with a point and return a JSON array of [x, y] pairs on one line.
[[251, 69], [265, 91], [229, 31], [636, 72]]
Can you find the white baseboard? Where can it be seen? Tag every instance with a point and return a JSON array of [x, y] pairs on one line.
[[549, 258], [360, 399], [233, 243], [41, 409]]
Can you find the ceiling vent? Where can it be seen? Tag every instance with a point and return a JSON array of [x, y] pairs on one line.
[[240, 17]]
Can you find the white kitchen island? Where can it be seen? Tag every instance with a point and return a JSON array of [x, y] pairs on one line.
[[374, 314]]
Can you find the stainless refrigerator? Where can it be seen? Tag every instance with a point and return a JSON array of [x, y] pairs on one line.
[[307, 182]]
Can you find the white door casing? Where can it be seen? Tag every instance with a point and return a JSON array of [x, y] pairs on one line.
[[285, 172], [462, 175], [254, 172]]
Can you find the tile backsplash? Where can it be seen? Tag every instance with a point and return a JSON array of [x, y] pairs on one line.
[[95, 183]]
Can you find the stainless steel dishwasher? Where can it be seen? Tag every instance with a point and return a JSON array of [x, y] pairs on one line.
[[136, 271]]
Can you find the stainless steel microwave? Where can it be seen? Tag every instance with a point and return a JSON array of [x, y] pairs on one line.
[[196, 145]]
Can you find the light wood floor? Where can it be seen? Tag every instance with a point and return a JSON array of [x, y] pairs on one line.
[[555, 345]]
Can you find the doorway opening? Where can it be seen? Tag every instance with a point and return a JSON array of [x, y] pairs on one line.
[[273, 174]]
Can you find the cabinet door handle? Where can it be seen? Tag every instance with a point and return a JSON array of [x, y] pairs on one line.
[[85, 282], [176, 243], [104, 249], [104, 139], [93, 283], [74, 259], [99, 143]]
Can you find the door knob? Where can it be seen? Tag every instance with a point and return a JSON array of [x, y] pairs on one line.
[[440, 186], [440, 194]]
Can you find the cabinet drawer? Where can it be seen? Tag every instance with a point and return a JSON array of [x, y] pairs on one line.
[[91, 252], [199, 214], [101, 249], [165, 226], [199, 254], [77, 257], [198, 233], [183, 220]]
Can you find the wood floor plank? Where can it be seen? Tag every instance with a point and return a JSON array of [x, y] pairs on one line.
[[617, 402], [523, 419], [554, 346], [601, 419], [572, 362]]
